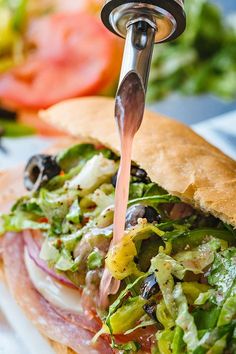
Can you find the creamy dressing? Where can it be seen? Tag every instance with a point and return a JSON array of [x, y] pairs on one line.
[[129, 114], [54, 292]]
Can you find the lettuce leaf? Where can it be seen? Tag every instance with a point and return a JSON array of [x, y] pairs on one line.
[[96, 171], [193, 238], [164, 267], [200, 257], [139, 190], [228, 311], [178, 345], [184, 319], [94, 260], [78, 155], [155, 199], [19, 221], [163, 315], [222, 275], [211, 337], [55, 205]]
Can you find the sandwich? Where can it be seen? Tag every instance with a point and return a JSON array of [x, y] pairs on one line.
[[176, 264]]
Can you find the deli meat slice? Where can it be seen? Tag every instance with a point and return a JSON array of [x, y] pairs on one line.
[[50, 322]]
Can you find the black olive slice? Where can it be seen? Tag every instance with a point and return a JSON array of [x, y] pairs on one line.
[[39, 170], [136, 212], [149, 287], [138, 173], [150, 309]]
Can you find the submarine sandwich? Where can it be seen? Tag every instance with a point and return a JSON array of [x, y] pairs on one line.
[[175, 265]]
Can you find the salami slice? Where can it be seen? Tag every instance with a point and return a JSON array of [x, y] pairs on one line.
[[60, 327]]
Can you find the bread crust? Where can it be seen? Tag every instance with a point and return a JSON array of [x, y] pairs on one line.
[[173, 155]]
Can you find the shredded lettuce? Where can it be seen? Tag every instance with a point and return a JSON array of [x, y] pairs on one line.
[[187, 239], [74, 214], [95, 171], [204, 297], [49, 252], [102, 200], [192, 291], [156, 199], [139, 190], [178, 345], [164, 267], [19, 221], [66, 262], [79, 154], [55, 205], [94, 260], [199, 258], [211, 337], [206, 317], [222, 274], [228, 311], [163, 315], [184, 319]]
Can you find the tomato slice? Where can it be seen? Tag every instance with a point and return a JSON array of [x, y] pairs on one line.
[[144, 336], [74, 55]]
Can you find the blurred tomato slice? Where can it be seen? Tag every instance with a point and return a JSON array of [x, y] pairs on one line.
[[92, 6], [74, 55], [31, 119]]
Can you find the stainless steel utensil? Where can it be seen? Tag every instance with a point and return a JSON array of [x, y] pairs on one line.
[[143, 23]]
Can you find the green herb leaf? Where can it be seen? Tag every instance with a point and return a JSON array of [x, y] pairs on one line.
[[15, 130], [156, 199]]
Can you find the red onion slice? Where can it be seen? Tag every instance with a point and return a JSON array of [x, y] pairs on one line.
[[34, 250]]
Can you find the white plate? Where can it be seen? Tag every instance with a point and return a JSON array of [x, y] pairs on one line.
[[17, 334]]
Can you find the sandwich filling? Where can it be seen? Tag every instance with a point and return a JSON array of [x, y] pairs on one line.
[[175, 265]]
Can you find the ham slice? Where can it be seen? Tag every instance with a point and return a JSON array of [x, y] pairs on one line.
[[71, 330]]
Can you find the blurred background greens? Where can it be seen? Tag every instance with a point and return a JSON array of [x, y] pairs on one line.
[[202, 60], [13, 17]]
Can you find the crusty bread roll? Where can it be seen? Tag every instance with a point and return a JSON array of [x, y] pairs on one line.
[[172, 154]]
